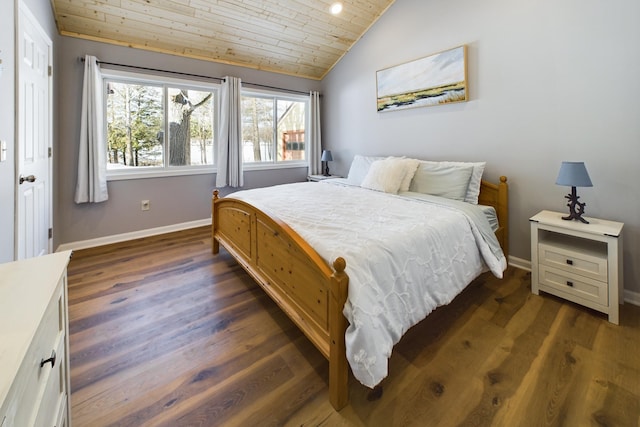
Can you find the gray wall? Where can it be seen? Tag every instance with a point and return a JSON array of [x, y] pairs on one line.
[[7, 132], [41, 9], [174, 200], [549, 81]]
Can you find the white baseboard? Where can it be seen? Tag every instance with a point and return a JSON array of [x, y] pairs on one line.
[[632, 297], [92, 243], [520, 263]]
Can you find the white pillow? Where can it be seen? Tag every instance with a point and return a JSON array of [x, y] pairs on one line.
[[385, 175], [359, 168], [411, 165], [442, 179]]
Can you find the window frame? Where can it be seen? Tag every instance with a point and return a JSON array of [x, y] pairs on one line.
[[120, 76], [288, 96]]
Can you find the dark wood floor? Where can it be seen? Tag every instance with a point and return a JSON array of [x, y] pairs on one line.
[[164, 333]]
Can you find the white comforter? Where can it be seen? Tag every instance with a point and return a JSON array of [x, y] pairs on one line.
[[405, 257]]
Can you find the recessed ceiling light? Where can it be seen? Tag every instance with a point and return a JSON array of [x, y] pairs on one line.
[[336, 8]]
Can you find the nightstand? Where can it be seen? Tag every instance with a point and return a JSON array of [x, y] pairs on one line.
[[578, 262], [321, 177]]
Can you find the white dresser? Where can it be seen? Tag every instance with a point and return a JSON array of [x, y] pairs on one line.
[[34, 343], [579, 262]]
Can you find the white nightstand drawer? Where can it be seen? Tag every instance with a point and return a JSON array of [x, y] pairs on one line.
[[574, 259], [573, 285]]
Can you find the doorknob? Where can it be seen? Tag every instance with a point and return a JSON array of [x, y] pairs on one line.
[[29, 178]]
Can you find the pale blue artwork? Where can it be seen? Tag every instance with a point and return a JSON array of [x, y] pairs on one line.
[[437, 79]]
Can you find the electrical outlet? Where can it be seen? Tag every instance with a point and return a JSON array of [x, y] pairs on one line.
[[145, 205]]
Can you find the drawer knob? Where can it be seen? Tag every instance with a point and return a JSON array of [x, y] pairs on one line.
[[570, 261], [569, 283], [52, 359]]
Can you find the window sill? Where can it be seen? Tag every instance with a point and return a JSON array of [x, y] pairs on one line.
[[158, 173], [268, 166], [163, 173]]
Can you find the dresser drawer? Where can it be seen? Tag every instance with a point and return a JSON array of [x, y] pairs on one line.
[[573, 285], [33, 378], [590, 264], [53, 391]]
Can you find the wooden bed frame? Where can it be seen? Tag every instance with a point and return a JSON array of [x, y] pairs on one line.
[[310, 292]]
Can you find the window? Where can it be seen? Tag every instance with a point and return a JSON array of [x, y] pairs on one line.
[[273, 128], [158, 127]]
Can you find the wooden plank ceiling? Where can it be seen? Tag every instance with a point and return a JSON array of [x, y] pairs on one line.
[[294, 37]]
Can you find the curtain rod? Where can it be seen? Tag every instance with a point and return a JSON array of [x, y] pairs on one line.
[[220, 79]]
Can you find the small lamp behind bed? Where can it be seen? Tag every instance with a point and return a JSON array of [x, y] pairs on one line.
[[326, 158], [574, 174]]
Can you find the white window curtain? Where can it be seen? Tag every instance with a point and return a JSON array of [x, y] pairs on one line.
[[91, 184], [229, 159], [315, 138]]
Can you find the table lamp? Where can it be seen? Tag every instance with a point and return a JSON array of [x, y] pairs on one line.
[[574, 174], [326, 158]]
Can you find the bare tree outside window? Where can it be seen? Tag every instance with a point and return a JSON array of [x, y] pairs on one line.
[[291, 130], [134, 120], [273, 129], [190, 122], [141, 134]]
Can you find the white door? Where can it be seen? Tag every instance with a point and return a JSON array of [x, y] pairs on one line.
[[33, 107]]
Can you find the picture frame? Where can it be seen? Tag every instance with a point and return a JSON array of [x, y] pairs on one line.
[[440, 78]]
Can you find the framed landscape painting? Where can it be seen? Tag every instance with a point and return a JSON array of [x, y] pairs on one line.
[[437, 79]]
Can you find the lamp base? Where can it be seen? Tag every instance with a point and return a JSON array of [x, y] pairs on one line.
[[326, 169], [576, 209]]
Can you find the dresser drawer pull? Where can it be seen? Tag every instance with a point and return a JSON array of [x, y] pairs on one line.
[[570, 262], [569, 283], [52, 359]]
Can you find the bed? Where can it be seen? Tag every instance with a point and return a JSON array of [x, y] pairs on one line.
[[309, 276]]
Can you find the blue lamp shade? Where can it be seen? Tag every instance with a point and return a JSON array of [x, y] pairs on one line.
[[326, 156], [574, 174]]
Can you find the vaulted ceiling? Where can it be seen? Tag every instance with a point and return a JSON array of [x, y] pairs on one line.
[[294, 37]]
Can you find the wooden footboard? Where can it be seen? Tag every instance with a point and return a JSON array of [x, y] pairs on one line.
[[291, 272]]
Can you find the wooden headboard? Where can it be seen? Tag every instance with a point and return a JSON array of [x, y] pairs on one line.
[[497, 195]]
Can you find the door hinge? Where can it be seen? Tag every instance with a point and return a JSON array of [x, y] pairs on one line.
[[50, 151], [50, 70], [51, 233]]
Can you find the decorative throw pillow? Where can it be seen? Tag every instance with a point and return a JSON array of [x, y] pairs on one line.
[[442, 179], [385, 175], [359, 168], [411, 165]]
